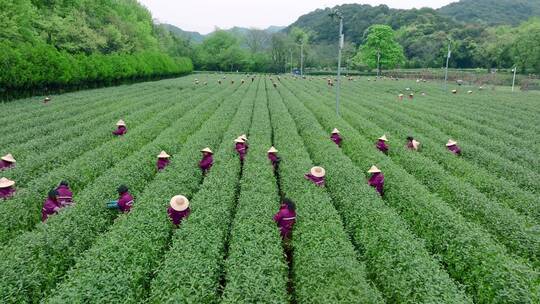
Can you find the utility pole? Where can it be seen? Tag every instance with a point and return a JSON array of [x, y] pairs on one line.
[[302, 58], [291, 61], [338, 14], [378, 64], [514, 79], [447, 62]]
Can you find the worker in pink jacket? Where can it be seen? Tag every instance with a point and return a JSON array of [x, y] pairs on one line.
[[124, 202], [273, 157], [412, 144], [241, 148], [7, 162], [65, 196], [336, 137], [453, 147], [376, 180], [50, 206], [381, 144], [7, 188], [120, 128], [316, 175], [163, 160], [207, 161], [285, 218], [178, 209]]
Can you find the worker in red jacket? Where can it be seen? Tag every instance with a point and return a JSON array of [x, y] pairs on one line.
[[120, 128], [241, 148], [50, 206], [273, 157], [412, 144], [7, 189], [377, 179], [381, 144], [178, 209], [453, 147], [7, 162], [124, 202], [316, 175], [207, 161], [65, 196], [336, 137], [163, 160], [285, 218]]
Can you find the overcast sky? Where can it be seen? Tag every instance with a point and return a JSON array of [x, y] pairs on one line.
[[204, 15]]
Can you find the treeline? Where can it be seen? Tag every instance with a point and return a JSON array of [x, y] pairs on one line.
[[46, 46]]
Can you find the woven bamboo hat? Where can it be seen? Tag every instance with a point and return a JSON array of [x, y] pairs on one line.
[[335, 131], [374, 169], [415, 144], [318, 171], [454, 91], [451, 143], [239, 140], [4, 182], [383, 138], [9, 158], [400, 95], [179, 203], [121, 123], [273, 150], [469, 92], [163, 154], [244, 137], [207, 150]]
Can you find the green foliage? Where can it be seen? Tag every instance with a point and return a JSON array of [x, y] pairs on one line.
[[380, 43], [492, 11]]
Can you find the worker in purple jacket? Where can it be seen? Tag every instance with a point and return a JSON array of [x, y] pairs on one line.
[[124, 202], [316, 175], [50, 206], [381, 144], [453, 147], [7, 189], [178, 209], [120, 128], [7, 162], [412, 144], [273, 157], [65, 196], [163, 160], [207, 161], [336, 137], [285, 218], [377, 179], [241, 148]]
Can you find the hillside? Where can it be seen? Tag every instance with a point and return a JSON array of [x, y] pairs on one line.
[[492, 12], [191, 36], [239, 32]]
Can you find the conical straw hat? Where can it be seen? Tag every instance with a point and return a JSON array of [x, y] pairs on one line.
[[451, 143], [383, 138], [469, 92], [9, 158], [318, 171], [121, 123], [454, 91], [335, 131], [244, 137], [4, 182], [179, 203], [163, 154], [374, 169], [415, 144], [207, 150], [400, 95], [273, 150], [239, 140]]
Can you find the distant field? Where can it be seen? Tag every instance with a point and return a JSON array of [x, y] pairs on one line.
[[447, 230]]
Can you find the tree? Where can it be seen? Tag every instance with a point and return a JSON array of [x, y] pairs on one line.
[[527, 46], [257, 40], [380, 41]]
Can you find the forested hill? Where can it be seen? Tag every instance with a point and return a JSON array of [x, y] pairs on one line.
[[45, 44], [492, 12]]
